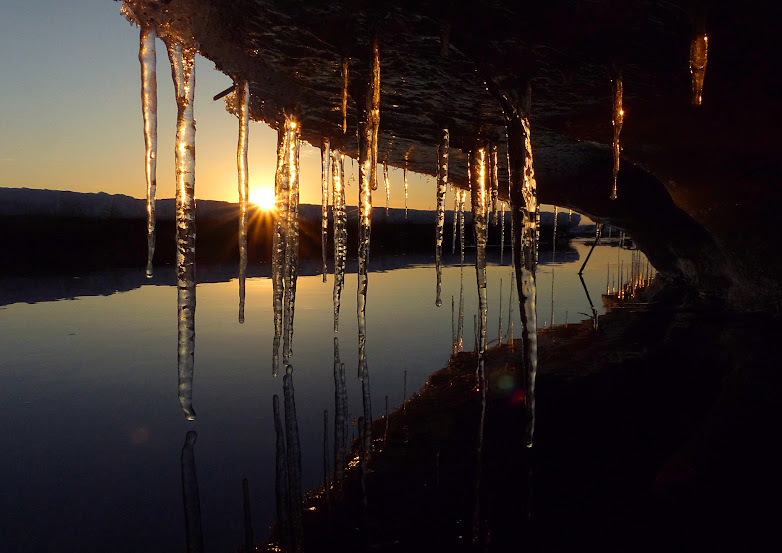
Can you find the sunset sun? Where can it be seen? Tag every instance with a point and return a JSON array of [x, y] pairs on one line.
[[263, 197]]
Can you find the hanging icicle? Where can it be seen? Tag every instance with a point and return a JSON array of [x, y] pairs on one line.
[[442, 181], [495, 181], [148, 59], [455, 218], [324, 202], [554, 236], [293, 461], [344, 103], [478, 177], [502, 233], [285, 253], [699, 50], [368, 132], [460, 328], [404, 172], [243, 98], [617, 121], [387, 184], [340, 418], [183, 73], [340, 228]]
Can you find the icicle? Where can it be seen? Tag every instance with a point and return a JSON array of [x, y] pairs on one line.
[[183, 73], [148, 59], [345, 61], [495, 180], [502, 233], [291, 236], [478, 202], [190, 495], [554, 237], [340, 228], [340, 417], [499, 326], [366, 403], [455, 218], [243, 94], [278, 245], [324, 202], [368, 132], [699, 50], [442, 181], [618, 120], [524, 204], [293, 459], [285, 253], [404, 171], [281, 485], [387, 184], [460, 328], [453, 328]]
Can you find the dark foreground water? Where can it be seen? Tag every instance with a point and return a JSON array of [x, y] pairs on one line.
[[92, 430]]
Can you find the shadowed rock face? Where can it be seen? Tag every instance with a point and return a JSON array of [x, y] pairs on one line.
[[698, 186]]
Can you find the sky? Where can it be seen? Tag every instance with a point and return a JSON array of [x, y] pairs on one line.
[[70, 113]]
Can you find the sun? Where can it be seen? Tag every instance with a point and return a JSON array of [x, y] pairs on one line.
[[263, 197]]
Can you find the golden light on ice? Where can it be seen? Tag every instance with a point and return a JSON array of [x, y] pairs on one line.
[[263, 197]]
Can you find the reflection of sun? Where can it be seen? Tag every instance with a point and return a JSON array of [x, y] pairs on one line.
[[263, 197]]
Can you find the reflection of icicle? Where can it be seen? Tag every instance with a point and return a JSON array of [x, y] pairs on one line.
[[368, 132], [293, 460], [502, 234], [183, 73], [243, 95], [147, 58], [190, 496], [387, 184], [460, 327], [478, 202], [340, 417], [499, 326], [455, 218], [495, 181], [404, 172], [618, 120], [324, 201], [442, 181], [291, 236], [281, 484], [340, 228], [698, 57]]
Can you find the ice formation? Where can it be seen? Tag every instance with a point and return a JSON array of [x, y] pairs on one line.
[[480, 228], [442, 181], [699, 50], [324, 202], [617, 121], [243, 93], [340, 228], [182, 60], [148, 59]]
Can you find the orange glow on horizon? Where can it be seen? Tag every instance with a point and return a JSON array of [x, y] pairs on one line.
[[263, 197]]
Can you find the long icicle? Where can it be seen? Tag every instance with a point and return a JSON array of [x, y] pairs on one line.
[[278, 244], [387, 184], [340, 228], [183, 74], [148, 60], [282, 490], [495, 180], [244, 190], [460, 327], [480, 229], [324, 202], [368, 133], [442, 181], [617, 121], [502, 233], [291, 236], [340, 418], [293, 460], [404, 173]]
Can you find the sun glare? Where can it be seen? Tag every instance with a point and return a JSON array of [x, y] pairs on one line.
[[263, 197]]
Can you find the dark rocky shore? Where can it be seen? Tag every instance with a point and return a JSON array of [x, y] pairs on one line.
[[654, 433]]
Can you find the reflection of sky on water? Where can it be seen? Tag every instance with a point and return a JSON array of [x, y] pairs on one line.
[[93, 430]]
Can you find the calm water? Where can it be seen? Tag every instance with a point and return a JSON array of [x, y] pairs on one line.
[[92, 429]]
